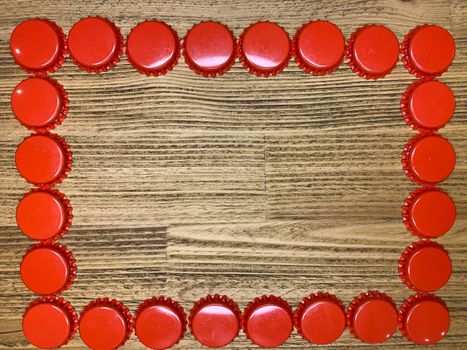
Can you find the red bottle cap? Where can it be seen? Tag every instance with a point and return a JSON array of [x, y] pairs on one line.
[[428, 51], [160, 323], [268, 321], [153, 48], [38, 46], [209, 48], [48, 268], [264, 48], [96, 44], [427, 105], [372, 317], [428, 212], [425, 266], [43, 159], [39, 104], [318, 47], [49, 322], [372, 51], [215, 320], [105, 324], [424, 319], [44, 214], [428, 159], [320, 318]]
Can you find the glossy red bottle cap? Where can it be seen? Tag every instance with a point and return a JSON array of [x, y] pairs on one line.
[[48, 268], [215, 320], [209, 48], [320, 318], [427, 105], [49, 322], [318, 47], [425, 266], [429, 212], [160, 323], [38, 46], [268, 321], [264, 48], [428, 159], [428, 51], [39, 104], [43, 159], [105, 324], [372, 51], [153, 48], [96, 44], [372, 317], [424, 319]]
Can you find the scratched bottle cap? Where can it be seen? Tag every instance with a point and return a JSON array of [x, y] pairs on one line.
[[372, 51], [268, 321], [428, 51], [209, 48], [160, 323], [48, 268], [320, 318], [264, 48], [153, 48], [95, 44], [424, 319], [372, 317], [40, 104], [38, 46], [429, 212], [105, 324], [425, 266], [427, 105], [49, 322], [215, 320], [43, 159], [44, 214], [318, 47], [428, 159]]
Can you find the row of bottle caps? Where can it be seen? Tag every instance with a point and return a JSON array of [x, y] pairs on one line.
[[264, 48], [216, 320]]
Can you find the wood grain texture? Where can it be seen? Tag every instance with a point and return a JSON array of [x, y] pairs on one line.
[[186, 186]]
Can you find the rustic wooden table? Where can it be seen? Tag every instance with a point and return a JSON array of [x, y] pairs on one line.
[[185, 186]]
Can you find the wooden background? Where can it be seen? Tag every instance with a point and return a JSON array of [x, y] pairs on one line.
[[185, 186]]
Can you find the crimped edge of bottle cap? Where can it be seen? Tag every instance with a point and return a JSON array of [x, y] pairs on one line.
[[310, 300], [164, 301], [112, 62], [351, 59], [405, 159], [259, 301], [64, 305], [301, 62], [405, 109], [211, 299], [407, 255], [67, 154], [119, 307], [405, 57], [215, 73], [168, 66], [411, 302], [358, 301], [63, 111], [251, 69], [414, 195], [62, 51], [64, 252]]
